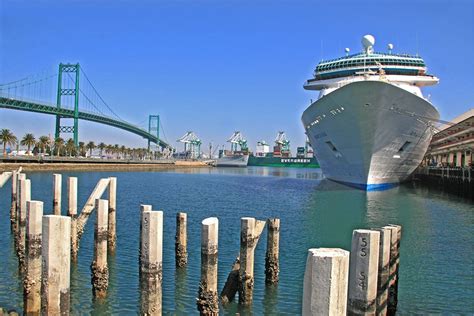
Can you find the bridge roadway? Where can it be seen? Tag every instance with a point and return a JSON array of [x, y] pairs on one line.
[[22, 105]]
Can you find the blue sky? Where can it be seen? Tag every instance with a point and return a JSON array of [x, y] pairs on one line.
[[218, 66]]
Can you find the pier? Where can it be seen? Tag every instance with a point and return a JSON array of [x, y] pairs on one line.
[[455, 180]]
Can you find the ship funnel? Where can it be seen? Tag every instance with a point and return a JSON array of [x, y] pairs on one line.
[[368, 42]]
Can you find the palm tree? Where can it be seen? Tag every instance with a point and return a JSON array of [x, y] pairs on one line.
[[123, 150], [28, 140], [70, 146], [90, 145], [7, 137], [116, 150], [108, 150], [101, 146], [58, 145], [43, 143], [82, 149]]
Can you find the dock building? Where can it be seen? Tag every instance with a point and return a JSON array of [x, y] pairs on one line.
[[453, 145]]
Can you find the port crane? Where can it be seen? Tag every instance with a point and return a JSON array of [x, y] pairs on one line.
[[282, 142], [192, 145], [237, 140]]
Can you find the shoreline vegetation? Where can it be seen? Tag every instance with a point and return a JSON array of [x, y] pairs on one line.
[[46, 146], [100, 165]]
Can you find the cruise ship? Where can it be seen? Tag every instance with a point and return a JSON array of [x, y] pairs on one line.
[[371, 125]]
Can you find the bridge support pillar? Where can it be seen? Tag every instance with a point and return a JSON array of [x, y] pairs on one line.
[[154, 128], [64, 92]]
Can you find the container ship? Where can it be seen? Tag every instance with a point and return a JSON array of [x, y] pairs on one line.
[[281, 155], [371, 124]]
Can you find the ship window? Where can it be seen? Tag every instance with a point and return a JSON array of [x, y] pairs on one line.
[[404, 147]]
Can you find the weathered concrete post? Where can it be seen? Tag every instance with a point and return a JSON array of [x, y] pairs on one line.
[[112, 236], [231, 286], [383, 270], [13, 217], [21, 176], [57, 188], [99, 189], [143, 208], [99, 268], [32, 280], [151, 266], [273, 247], [72, 212], [207, 301], [250, 231], [4, 176], [56, 253], [25, 195], [181, 240], [363, 272], [396, 232], [325, 282]]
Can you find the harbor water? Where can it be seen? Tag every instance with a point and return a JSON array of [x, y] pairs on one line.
[[437, 252]]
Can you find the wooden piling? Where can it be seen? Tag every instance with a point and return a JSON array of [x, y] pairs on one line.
[[56, 255], [396, 232], [325, 282], [14, 196], [112, 235], [383, 271], [57, 188], [32, 280], [207, 301], [25, 196], [250, 231], [271, 258], [99, 268], [72, 212], [151, 266], [363, 272], [181, 253]]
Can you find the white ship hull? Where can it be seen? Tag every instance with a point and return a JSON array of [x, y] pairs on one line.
[[233, 161], [369, 134]]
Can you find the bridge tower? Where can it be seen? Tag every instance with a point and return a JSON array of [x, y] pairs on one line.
[[68, 92], [154, 128]]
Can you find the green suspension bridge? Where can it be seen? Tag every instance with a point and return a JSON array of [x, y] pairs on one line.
[[75, 99]]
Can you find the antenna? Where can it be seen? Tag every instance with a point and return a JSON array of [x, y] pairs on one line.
[[390, 47], [417, 43], [322, 51]]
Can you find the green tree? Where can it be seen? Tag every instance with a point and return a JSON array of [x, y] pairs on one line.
[[7, 138], [101, 146], [28, 140], [82, 149], [70, 147], [116, 150], [43, 143], [58, 145], [90, 145]]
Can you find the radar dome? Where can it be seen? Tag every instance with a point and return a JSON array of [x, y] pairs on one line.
[[368, 40], [390, 46]]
